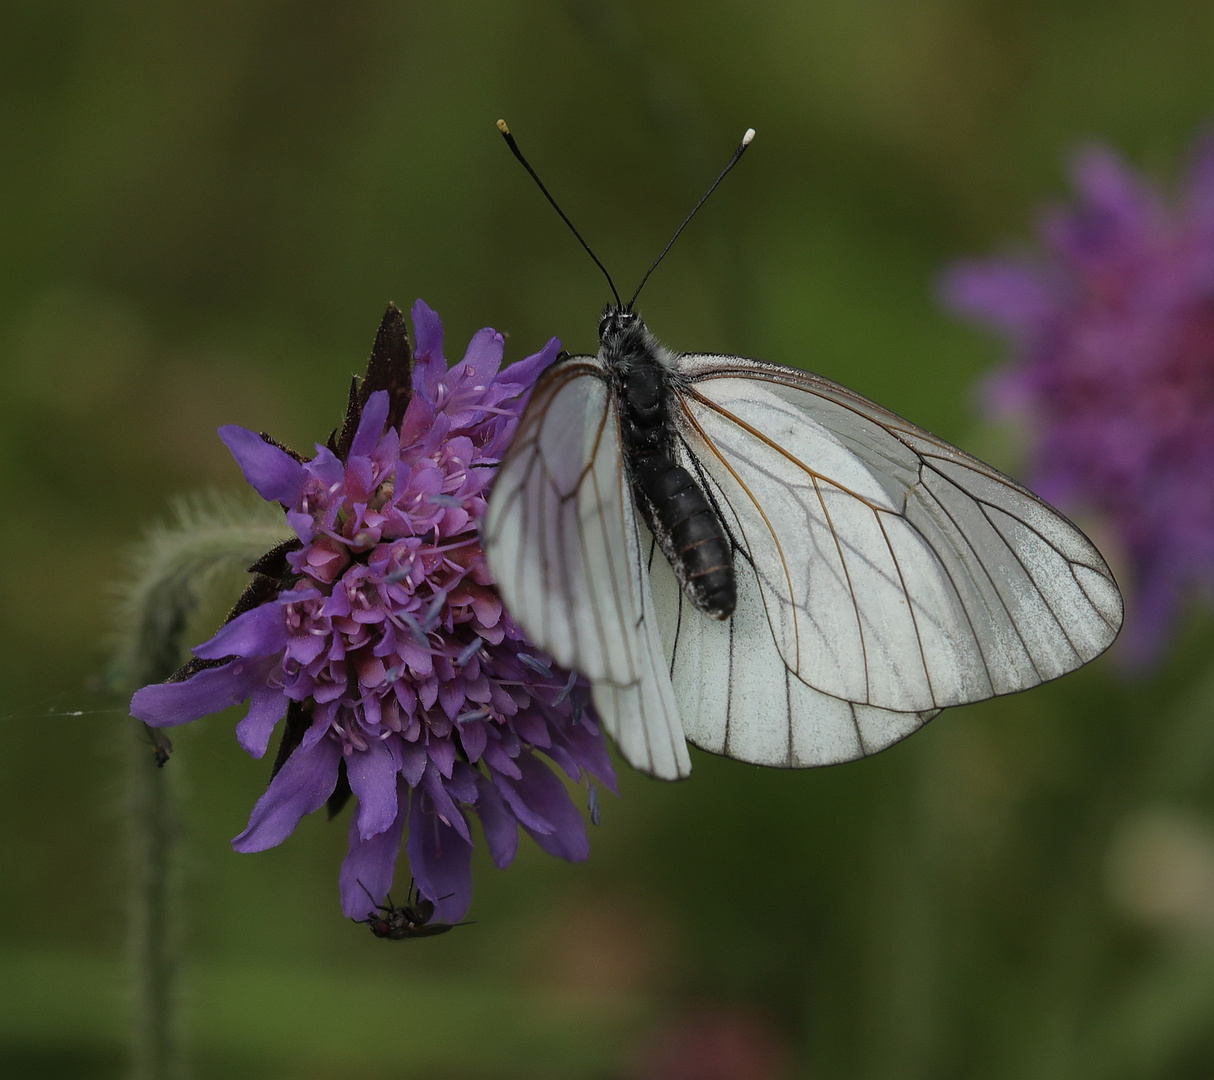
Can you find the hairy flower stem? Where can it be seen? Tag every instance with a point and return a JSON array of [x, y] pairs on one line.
[[170, 572], [154, 947]]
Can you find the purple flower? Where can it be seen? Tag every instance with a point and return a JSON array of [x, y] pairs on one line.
[[378, 636], [1113, 335]]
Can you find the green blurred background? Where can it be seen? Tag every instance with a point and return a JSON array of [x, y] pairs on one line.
[[206, 207]]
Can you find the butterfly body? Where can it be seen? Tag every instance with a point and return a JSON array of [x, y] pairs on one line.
[[680, 516]]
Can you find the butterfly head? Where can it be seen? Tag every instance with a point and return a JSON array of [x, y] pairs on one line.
[[618, 322], [624, 338]]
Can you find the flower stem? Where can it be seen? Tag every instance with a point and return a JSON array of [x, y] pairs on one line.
[[154, 831], [171, 573]]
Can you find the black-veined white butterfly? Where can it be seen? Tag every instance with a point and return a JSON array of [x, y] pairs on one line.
[[761, 562]]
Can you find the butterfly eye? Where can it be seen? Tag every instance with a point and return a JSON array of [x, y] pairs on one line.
[[612, 322]]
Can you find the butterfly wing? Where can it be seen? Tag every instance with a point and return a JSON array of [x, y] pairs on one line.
[[737, 697], [894, 570], [562, 542]]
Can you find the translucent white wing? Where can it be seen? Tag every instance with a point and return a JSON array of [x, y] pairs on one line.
[[561, 540], [738, 698], [895, 571]]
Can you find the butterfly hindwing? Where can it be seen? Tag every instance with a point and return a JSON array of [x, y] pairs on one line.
[[739, 699], [644, 717]]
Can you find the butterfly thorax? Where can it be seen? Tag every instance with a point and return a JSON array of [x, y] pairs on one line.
[[680, 515], [640, 369]]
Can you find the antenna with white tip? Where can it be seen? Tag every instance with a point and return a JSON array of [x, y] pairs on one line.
[[737, 154]]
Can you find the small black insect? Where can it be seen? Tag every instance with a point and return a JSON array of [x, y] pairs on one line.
[[410, 921]]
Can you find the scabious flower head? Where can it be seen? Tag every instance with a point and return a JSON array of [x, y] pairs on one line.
[[377, 634], [1113, 333]]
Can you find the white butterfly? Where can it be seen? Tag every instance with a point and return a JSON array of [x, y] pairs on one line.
[[879, 573]]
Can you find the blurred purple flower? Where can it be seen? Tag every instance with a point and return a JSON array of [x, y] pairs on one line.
[[1113, 335], [378, 635]]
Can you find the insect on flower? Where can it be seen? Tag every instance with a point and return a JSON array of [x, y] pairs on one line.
[[411, 921], [764, 563]]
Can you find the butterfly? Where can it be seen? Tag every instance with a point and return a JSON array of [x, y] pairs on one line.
[[763, 563]]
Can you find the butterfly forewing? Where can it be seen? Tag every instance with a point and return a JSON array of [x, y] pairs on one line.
[[560, 536], [553, 529], [895, 570]]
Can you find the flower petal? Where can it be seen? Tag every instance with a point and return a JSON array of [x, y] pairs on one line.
[[499, 824], [413, 763], [1117, 193], [259, 632], [473, 737], [209, 691], [484, 355], [441, 861], [545, 793], [370, 425], [302, 785], [1011, 297], [521, 375], [516, 798], [441, 802], [589, 750], [428, 330], [266, 709], [371, 861], [273, 473], [372, 774]]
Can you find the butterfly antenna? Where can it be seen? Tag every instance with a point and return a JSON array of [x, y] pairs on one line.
[[501, 126], [737, 154]]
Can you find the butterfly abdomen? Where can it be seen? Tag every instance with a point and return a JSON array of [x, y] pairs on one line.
[[689, 533]]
